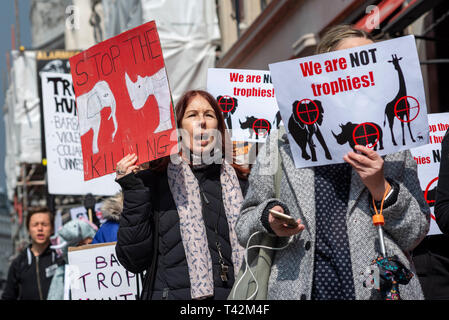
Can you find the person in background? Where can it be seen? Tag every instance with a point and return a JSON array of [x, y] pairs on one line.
[[431, 257], [30, 274], [334, 240], [74, 233], [179, 215], [111, 209]]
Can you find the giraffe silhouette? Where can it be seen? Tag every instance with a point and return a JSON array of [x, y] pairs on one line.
[[401, 104]]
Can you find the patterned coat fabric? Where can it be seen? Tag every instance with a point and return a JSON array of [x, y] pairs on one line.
[[406, 222]]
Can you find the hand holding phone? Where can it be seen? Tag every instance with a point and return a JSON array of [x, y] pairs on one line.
[[290, 221]]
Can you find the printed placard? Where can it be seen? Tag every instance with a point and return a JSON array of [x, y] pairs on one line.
[[246, 98], [124, 101], [371, 95], [428, 159], [96, 274], [62, 141]]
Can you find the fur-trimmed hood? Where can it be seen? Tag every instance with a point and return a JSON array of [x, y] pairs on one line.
[[112, 207]]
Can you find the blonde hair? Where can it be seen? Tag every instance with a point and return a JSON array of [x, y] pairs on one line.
[[336, 34]]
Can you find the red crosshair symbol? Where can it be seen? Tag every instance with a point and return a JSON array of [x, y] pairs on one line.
[[364, 135], [305, 110], [425, 194], [407, 108], [227, 105], [261, 125]]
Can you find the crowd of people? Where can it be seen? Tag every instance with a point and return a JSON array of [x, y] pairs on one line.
[[187, 222]]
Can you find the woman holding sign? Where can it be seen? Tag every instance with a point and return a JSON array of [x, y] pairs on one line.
[[331, 247], [179, 215]]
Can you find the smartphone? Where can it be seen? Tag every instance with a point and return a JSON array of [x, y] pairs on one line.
[[290, 221]]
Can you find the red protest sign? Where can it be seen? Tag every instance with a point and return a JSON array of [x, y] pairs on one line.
[[123, 101]]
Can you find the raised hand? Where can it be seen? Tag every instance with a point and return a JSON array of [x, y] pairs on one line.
[[126, 165], [370, 167]]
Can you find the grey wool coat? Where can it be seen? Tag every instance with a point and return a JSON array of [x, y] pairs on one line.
[[406, 222]]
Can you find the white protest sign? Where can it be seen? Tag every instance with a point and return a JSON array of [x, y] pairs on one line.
[[333, 101], [81, 212], [95, 273], [62, 141], [247, 100], [428, 159]]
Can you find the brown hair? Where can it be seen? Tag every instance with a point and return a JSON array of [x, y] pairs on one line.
[[33, 210], [335, 34], [180, 109]]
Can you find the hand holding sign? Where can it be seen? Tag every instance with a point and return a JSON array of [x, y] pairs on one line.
[[370, 167], [126, 165]]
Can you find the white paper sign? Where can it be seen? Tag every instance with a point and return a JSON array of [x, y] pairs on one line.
[[95, 273], [247, 100], [333, 101], [428, 158], [81, 212], [62, 141]]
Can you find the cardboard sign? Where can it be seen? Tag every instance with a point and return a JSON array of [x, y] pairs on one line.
[[95, 273], [428, 159], [62, 141], [371, 95], [247, 100], [123, 100]]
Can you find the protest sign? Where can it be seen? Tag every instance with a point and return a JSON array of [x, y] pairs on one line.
[[247, 100], [63, 145], [81, 213], [371, 95], [123, 100], [428, 159], [95, 273], [50, 61]]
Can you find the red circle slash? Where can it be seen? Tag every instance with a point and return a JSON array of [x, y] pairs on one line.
[[310, 115], [227, 105], [427, 190], [405, 108], [361, 132], [262, 125]]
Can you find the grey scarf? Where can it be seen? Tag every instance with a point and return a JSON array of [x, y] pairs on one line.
[[186, 193]]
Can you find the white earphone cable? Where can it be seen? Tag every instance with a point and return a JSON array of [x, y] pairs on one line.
[[247, 266]]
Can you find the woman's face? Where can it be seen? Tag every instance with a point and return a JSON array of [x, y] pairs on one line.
[[352, 42], [40, 228], [199, 125]]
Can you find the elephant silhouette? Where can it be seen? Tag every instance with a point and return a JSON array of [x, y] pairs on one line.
[[303, 133], [400, 102], [373, 135], [89, 107], [224, 102], [156, 85]]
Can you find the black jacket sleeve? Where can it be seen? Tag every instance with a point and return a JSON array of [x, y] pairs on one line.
[[135, 236], [11, 291], [442, 193]]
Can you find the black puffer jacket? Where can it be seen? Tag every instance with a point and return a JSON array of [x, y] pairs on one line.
[[149, 236]]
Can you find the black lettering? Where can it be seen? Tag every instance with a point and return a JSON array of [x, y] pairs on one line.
[[93, 165], [163, 147], [436, 155], [96, 62], [354, 59], [110, 64], [149, 43], [114, 56], [79, 74], [62, 104]]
